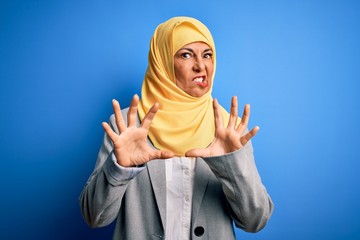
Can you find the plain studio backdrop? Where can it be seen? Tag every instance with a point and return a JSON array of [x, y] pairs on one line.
[[296, 62]]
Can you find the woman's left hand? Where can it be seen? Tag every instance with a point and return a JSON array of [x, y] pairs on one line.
[[227, 139]]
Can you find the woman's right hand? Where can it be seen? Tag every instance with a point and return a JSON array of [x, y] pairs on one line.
[[130, 145]]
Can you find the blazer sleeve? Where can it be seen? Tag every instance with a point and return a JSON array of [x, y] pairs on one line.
[[250, 204], [102, 194]]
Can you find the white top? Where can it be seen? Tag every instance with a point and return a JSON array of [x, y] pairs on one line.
[[179, 191]]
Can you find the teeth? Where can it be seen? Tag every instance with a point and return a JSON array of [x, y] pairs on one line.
[[198, 80]]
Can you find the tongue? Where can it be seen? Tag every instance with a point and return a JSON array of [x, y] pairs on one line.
[[202, 84]]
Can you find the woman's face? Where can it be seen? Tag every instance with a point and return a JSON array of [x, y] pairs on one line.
[[194, 68]]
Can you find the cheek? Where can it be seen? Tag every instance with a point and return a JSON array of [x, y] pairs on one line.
[[180, 72], [179, 78], [210, 70], [177, 69]]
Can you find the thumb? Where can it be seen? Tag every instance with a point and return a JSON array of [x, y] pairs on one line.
[[162, 154], [197, 152]]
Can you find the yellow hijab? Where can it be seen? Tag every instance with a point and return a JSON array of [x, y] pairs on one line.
[[183, 122]]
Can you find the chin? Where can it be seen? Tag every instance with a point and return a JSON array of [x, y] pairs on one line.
[[198, 93]]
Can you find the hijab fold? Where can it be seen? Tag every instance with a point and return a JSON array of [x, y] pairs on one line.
[[183, 122]]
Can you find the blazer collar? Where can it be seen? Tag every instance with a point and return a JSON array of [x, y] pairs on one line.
[[201, 179], [156, 169]]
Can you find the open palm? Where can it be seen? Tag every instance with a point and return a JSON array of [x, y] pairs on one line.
[[230, 138], [130, 145]]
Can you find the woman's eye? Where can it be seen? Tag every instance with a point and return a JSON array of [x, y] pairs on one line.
[[208, 55], [185, 55]]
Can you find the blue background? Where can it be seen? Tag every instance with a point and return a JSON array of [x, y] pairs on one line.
[[296, 62]]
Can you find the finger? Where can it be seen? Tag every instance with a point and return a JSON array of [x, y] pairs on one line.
[[112, 135], [118, 116], [132, 114], [217, 115], [162, 154], [244, 139], [244, 119], [233, 113], [150, 116], [198, 152]]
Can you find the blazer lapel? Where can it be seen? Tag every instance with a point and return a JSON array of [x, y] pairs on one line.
[[201, 179], [156, 171]]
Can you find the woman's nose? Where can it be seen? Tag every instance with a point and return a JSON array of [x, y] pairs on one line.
[[199, 65]]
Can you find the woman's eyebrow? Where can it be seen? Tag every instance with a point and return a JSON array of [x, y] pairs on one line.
[[187, 49], [191, 50]]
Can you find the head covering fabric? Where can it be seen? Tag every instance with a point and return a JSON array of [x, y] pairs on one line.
[[183, 122]]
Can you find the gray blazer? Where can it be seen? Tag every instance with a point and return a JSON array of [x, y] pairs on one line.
[[227, 189]]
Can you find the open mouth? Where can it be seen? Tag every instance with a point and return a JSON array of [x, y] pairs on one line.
[[201, 81]]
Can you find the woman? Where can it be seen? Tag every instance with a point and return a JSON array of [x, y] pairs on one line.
[[204, 176]]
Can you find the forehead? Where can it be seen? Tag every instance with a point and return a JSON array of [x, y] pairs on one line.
[[197, 46]]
